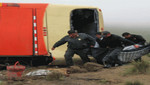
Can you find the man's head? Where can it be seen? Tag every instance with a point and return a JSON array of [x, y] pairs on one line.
[[72, 33], [98, 34], [106, 34], [126, 35]]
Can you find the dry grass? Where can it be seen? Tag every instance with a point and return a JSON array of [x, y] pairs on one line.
[[148, 55], [104, 81], [138, 68], [76, 69], [92, 67], [134, 83], [56, 75]]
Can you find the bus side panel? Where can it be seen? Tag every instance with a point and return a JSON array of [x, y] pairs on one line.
[[16, 34], [101, 24], [41, 44], [58, 25]]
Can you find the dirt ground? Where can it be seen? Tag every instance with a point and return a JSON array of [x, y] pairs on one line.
[[82, 76]]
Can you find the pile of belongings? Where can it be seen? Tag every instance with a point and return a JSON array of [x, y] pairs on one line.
[[130, 53]]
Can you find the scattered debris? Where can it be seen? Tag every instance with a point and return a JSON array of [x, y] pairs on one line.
[[15, 71], [40, 72]]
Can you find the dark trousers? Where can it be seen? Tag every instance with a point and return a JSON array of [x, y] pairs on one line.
[[99, 54], [70, 52], [112, 56]]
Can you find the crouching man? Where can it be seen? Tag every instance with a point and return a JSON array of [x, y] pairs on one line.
[[99, 51], [78, 43], [138, 39], [115, 45]]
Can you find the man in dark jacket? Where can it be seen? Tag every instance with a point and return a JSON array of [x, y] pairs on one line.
[[115, 44], [100, 40], [138, 39], [78, 43], [100, 50]]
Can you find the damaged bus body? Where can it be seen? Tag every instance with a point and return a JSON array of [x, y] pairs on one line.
[[28, 31], [61, 18], [21, 35]]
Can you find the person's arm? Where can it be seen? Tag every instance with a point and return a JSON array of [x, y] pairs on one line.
[[128, 42], [125, 41], [60, 42], [91, 40], [141, 39], [98, 40]]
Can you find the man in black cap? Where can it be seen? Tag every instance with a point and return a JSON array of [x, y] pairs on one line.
[[115, 44], [78, 43], [100, 50], [99, 40], [138, 39]]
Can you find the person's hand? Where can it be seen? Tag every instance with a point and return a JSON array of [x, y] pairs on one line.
[[136, 46], [52, 48], [91, 46]]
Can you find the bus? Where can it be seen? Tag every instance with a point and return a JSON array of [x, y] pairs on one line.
[[28, 31]]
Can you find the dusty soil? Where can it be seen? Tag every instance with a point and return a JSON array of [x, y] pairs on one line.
[[80, 76]]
